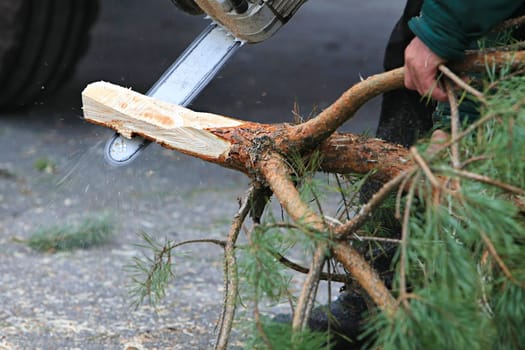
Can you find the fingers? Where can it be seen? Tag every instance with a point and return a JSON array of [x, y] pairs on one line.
[[421, 67]]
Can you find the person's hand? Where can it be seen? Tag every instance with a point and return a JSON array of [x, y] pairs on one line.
[[421, 67]]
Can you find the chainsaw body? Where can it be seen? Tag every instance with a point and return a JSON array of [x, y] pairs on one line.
[[234, 22], [250, 20]]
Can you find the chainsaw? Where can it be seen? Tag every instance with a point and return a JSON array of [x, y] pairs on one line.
[[233, 24]]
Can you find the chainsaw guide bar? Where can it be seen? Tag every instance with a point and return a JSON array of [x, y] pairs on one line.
[[180, 84]]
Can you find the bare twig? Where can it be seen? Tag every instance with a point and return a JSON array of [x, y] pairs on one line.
[[454, 124], [301, 314], [296, 267], [492, 250], [461, 83], [258, 322], [346, 203], [219, 242], [484, 179], [329, 330], [471, 160], [372, 238], [399, 194], [275, 171], [231, 284], [311, 299], [425, 168], [358, 220], [404, 242]]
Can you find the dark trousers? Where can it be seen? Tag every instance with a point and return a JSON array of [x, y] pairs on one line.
[[404, 115]]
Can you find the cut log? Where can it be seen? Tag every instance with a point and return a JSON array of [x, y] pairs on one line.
[[175, 127], [229, 142]]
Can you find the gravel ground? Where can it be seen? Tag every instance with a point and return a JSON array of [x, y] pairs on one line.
[[79, 299]]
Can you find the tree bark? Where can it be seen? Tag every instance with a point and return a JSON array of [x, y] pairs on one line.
[[229, 142]]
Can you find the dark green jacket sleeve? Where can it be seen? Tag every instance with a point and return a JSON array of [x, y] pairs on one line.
[[448, 27]]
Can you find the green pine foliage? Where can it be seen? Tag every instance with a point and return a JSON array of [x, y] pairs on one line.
[[465, 256], [459, 273], [279, 336], [151, 276], [262, 274]]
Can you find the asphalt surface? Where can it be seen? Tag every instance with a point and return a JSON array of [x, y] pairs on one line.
[[79, 299]]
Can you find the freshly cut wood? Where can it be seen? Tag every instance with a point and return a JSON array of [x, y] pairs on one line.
[[229, 142], [130, 113]]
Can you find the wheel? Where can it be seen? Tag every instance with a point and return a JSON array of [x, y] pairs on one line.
[[40, 42]]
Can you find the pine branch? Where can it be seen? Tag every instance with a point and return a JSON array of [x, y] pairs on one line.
[[483, 179], [259, 324], [425, 168], [404, 242], [264, 152], [231, 279], [308, 292], [218, 242], [374, 238], [365, 275], [350, 227], [461, 83], [492, 250], [454, 124], [276, 173], [323, 275]]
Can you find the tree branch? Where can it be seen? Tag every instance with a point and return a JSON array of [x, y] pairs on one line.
[[307, 296], [461, 83], [454, 124], [492, 250], [231, 279], [312, 132], [484, 179], [323, 276], [365, 275], [358, 220], [275, 171]]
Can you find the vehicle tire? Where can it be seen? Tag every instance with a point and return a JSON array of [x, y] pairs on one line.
[[40, 43]]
